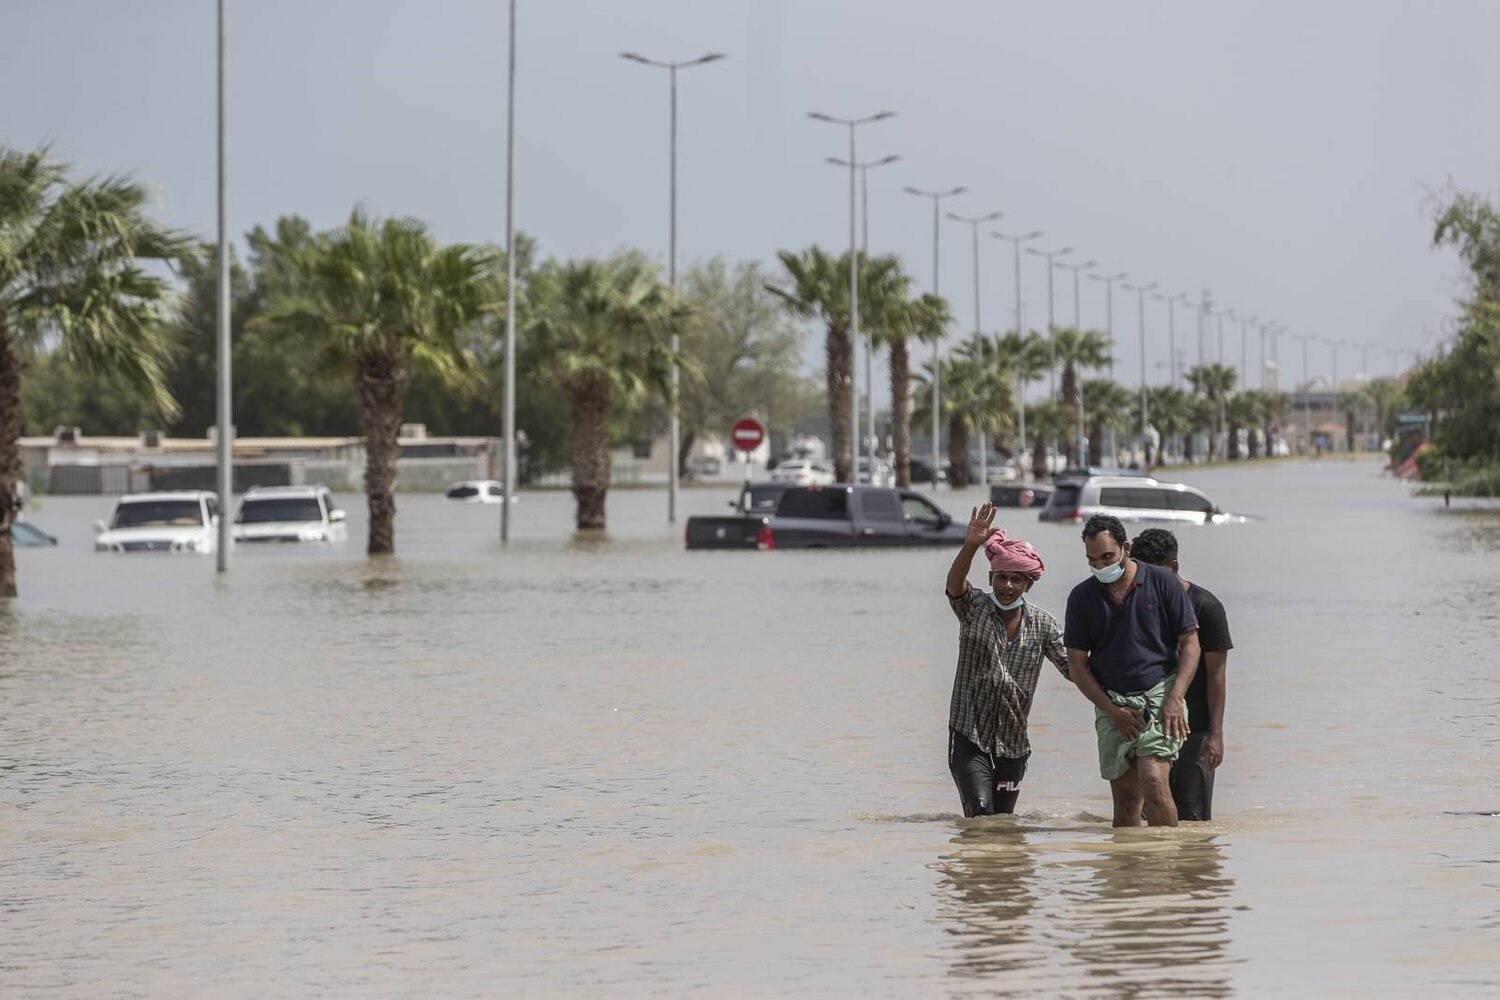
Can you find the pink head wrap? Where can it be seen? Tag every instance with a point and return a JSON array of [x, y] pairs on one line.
[[1012, 555]]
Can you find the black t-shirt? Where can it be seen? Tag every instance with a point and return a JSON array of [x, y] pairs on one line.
[[1213, 637], [1131, 645]]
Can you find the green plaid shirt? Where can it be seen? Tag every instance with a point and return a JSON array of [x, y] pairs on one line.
[[997, 675]]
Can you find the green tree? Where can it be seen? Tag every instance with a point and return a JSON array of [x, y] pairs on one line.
[[743, 345], [1107, 406], [599, 331], [379, 300], [1171, 412], [1078, 351], [974, 396], [71, 285], [817, 288], [1214, 382], [1027, 357], [1045, 421], [923, 319]]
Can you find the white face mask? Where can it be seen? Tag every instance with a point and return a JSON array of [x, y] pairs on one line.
[[1110, 573], [1008, 607]]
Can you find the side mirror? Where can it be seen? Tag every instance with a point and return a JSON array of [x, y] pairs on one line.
[[98, 527], [336, 515]]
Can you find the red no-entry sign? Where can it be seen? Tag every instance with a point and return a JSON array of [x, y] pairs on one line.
[[747, 433]]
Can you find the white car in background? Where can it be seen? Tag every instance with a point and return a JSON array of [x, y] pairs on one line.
[[288, 514], [803, 472], [178, 521], [477, 491]]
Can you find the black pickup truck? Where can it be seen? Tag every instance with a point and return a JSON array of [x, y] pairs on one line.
[[840, 516]]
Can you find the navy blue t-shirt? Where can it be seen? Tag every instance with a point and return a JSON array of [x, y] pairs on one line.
[[1131, 645]]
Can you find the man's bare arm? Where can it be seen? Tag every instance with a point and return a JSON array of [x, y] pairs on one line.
[[979, 531], [1173, 713], [1218, 675]]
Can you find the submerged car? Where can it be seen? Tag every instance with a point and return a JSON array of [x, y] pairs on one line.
[[178, 521], [1131, 498], [288, 514], [477, 491], [803, 472], [25, 535]]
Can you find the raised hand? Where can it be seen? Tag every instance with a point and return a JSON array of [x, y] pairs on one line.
[[980, 525]]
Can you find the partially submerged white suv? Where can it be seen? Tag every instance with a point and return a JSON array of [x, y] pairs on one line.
[[178, 521], [288, 514]]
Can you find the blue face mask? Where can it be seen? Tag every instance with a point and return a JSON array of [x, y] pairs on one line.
[[1110, 573], [1008, 607]]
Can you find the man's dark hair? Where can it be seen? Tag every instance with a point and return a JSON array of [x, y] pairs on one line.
[[1104, 522], [1157, 546]]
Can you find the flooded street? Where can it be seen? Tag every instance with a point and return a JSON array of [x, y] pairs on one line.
[[615, 768]]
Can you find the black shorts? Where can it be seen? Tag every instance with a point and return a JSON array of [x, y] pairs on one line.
[[987, 785], [1192, 783]]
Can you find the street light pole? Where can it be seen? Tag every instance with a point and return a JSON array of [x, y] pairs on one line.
[[1171, 301], [1021, 385], [674, 424], [1140, 291], [864, 242], [1081, 445], [1245, 321], [852, 124], [1051, 256], [937, 373], [508, 390], [973, 222], [224, 444], [1109, 331]]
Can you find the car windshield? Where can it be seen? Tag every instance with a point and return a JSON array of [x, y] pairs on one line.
[[462, 492], [150, 513], [269, 509]]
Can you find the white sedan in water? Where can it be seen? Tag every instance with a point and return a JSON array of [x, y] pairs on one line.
[[803, 472], [477, 491], [181, 521]]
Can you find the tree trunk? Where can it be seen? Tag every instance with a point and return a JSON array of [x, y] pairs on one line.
[[1255, 439], [1189, 440], [685, 448], [1234, 441], [10, 455], [900, 366], [590, 404], [1096, 445], [958, 453], [839, 361], [382, 388], [1349, 431], [1039, 468]]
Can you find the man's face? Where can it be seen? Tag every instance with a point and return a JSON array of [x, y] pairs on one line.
[[1009, 586], [1102, 550]]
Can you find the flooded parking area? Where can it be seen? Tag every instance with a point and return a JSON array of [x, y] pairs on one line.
[[612, 767]]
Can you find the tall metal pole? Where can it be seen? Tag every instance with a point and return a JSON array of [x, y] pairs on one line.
[[1051, 256], [1245, 321], [937, 371], [225, 443], [508, 390], [1081, 444], [864, 238], [674, 419], [854, 256], [1022, 385], [1171, 302], [973, 222], [1109, 331], [1306, 339], [1140, 292]]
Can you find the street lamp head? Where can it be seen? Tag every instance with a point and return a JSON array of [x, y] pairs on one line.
[[881, 116], [635, 57], [836, 161], [819, 116], [886, 159], [935, 194], [708, 58], [1076, 267]]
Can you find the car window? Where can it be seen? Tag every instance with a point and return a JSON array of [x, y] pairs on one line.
[[154, 513], [825, 505], [1065, 495], [763, 500], [268, 509], [881, 506], [462, 493], [495, 491], [1190, 501], [918, 509]]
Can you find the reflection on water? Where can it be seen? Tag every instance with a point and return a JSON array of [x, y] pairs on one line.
[[1142, 914]]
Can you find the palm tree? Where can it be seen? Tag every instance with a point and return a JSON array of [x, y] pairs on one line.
[[1045, 421], [600, 332], [1026, 356], [69, 280], [381, 299], [975, 396], [1242, 411], [1108, 405], [1170, 410], [923, 319], [1076, 351], [818, 289], [1214, 383]]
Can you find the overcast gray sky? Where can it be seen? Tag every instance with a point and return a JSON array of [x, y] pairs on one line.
[[1284, 155]]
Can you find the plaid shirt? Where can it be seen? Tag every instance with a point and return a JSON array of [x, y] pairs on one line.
[[997, 675]]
